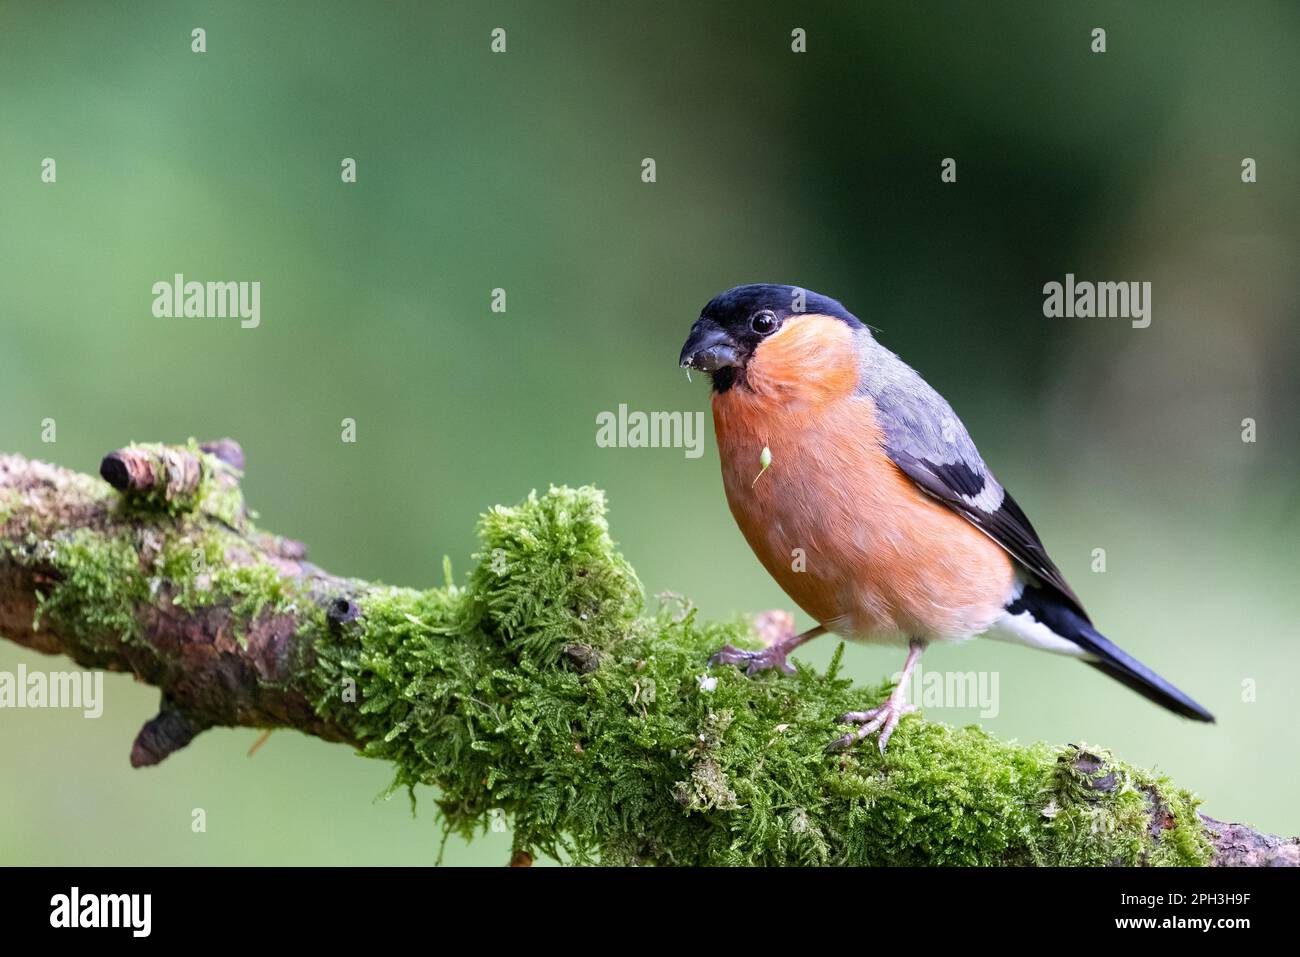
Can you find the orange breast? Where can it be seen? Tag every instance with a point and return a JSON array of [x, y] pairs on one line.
[[843, 531]]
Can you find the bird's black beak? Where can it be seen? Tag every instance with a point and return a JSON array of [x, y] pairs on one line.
[[708, 348]]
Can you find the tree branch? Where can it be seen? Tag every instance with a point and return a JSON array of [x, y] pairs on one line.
[[539, 691]]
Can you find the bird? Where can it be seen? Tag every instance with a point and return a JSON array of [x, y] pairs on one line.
[[862, 493]]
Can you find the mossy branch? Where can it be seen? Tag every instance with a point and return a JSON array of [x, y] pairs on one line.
[[540, 689]]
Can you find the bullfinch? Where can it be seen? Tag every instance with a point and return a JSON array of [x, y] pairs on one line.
[[862, 494]]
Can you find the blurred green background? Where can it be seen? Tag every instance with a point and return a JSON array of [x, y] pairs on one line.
[[522, 171]]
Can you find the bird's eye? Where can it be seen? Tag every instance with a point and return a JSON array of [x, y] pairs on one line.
[[763, 323]]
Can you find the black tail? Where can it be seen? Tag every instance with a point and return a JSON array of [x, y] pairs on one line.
[[1146, 682], [1105, 656]]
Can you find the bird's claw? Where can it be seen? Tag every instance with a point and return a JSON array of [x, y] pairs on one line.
[[883, 719], [754, 661]]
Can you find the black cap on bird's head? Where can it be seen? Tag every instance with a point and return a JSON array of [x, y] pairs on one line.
[[732, 325]]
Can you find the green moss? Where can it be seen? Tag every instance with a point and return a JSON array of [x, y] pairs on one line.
[[536, 692], [194, 569], [254, 588], [1103, 810], [548, 575], [220, 496], [95, 587]]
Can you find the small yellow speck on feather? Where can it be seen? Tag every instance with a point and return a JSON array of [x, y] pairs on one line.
[[764, 461]]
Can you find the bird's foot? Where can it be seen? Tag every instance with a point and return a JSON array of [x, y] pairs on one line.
[[774, 656], [883, 719], [776, 630]]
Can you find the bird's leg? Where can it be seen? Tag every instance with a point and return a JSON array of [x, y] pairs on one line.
[[886, 717], [773, 656]]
